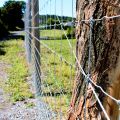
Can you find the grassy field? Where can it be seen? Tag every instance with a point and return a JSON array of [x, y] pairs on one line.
[[52, 34], [16, 85], [58, 74]]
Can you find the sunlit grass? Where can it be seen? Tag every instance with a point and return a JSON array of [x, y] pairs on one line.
[[16, 85], [58, 75], [53, 34], [61, 47]]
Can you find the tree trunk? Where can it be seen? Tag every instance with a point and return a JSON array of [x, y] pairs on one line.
[[105, 59]]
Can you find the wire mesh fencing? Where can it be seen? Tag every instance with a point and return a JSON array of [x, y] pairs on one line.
[[51, 49], [50, 53]]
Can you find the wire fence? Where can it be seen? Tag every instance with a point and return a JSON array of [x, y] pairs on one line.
[[53, 60], [51, 49]]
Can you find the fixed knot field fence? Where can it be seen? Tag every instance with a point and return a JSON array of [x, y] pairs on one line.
[[51, 50]]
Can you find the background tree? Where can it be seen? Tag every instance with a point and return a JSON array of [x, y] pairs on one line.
[[105, 59], [3, 28], [12, 14]]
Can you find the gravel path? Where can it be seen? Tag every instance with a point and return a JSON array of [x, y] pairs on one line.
[[20, 110]]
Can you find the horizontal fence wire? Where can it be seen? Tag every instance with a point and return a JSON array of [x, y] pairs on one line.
[[58, 58]]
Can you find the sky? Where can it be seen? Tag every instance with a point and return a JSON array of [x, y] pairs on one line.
[[63, 7]]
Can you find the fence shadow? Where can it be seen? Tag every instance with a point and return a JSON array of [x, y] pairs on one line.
[[12, 35]]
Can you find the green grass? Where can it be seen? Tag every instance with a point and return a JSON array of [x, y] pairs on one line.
[[16, 85], [61, 47], [51, 33], [58, 74]]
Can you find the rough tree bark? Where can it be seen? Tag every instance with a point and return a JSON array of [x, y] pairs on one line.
[[105, 60]]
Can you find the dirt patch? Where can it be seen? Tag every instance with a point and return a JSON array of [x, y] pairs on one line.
[[3, 78], [3, 74]]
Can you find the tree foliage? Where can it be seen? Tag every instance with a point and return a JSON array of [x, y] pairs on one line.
[[3, 29], [64, 18], [12, 14]]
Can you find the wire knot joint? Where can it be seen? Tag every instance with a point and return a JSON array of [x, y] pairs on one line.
[[118, 102], [87, 78], [91, 20]]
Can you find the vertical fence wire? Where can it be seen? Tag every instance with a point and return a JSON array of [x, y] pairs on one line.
[[59, 44], [54, 63], [61, 5]]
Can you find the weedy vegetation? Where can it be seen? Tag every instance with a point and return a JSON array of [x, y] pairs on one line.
[[16, 85], [58, 70]]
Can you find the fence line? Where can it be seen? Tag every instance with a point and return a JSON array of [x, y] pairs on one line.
[[45, 26], [37, 59], [42, 86]]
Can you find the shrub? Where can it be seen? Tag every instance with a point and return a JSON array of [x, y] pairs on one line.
[[70, 33]]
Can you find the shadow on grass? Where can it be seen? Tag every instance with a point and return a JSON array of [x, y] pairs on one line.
[[55, 93], [13, 35], [2, 51], [16, 37]]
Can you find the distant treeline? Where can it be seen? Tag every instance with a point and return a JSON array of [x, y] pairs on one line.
[[51, 20], [43, 18]]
